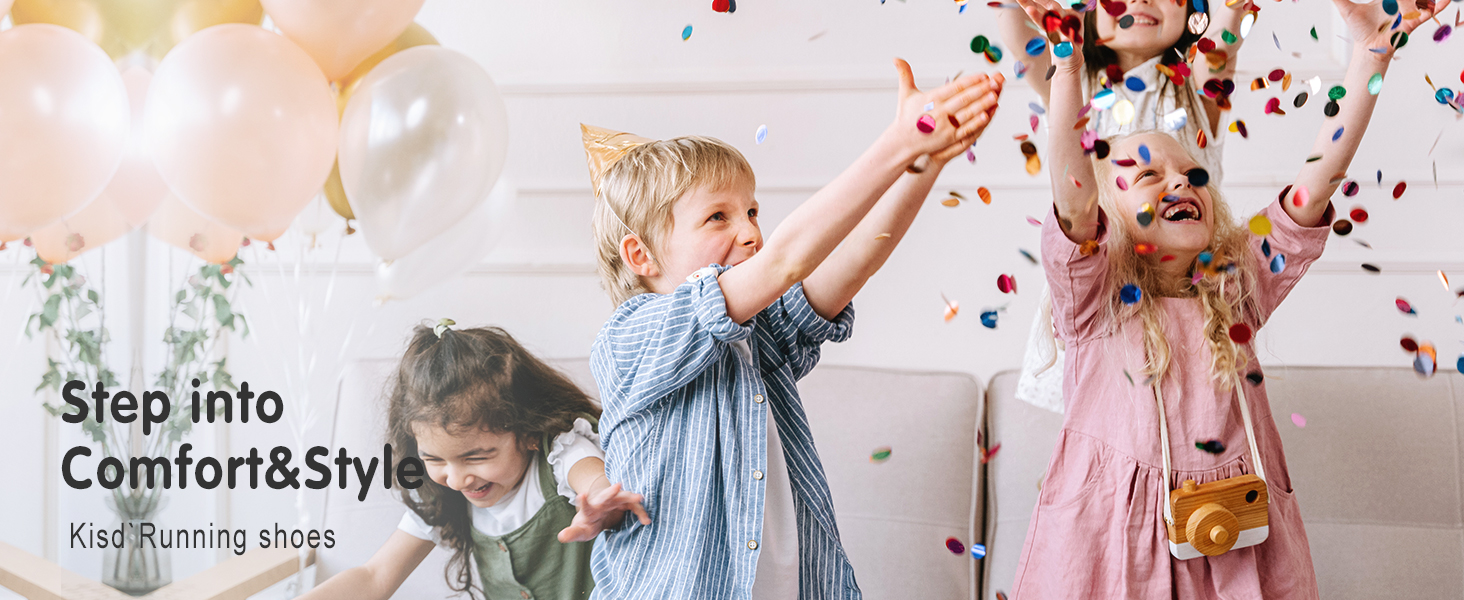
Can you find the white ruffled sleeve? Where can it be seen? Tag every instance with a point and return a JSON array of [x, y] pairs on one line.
[[417, 528], [569, 448]]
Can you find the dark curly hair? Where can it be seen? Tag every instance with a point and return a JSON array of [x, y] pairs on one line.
[[466, 380]]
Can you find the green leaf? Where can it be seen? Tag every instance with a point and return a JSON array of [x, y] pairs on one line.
[[50, 312], [191, 311], [223, 312], [243, 324], [82, 312], [93, 296], [178, 299]]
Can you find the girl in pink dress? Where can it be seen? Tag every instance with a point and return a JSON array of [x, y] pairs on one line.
[[1154, 283]]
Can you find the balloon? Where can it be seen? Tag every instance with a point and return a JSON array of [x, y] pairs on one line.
[[95, 226], [242, 126], [137, 188], [316, 218], [122, 27], [422, 140], [453, 251], [339, 34], [63, 125], [335, 193], [5, 6], [181, 227]]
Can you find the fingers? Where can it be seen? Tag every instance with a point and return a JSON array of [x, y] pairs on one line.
[[974, 94], [640, 512], [907, 77], [958, 86]]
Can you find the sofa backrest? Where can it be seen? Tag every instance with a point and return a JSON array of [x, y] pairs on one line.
[[894, 516], [1378, 472]]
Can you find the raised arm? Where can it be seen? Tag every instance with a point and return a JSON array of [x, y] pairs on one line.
[[834, 283], [380, 577], [1018, 28], [806, 237], [1225, 15], [1077, 205], [1371, 29]]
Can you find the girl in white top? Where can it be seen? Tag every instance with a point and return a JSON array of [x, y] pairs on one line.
[[1168, 70], [517, 486]]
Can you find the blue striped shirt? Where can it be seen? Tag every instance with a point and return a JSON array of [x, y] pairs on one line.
[[684, 424]]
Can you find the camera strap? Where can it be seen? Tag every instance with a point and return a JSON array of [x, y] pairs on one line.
[[1250, 437]]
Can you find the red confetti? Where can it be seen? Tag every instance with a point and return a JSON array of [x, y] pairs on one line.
[[721, 5], [1409, 344], [1166, 258], [1007, 284], [1240, 333], [1398, 190], [955, 546], [1143, 249], [1404, 307], [1358, 215]]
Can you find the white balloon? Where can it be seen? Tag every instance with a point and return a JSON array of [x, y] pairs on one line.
[[317, 217], [423, 139], [453, 251]]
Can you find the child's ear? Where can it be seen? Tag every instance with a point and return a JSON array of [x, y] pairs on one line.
[[637, 256]]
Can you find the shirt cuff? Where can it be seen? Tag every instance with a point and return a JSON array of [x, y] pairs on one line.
[[710, 305], [810, 324], [414, 526], [568, 449], [1297, 242]]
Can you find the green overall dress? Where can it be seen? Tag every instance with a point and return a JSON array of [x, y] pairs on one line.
[[530, 562]]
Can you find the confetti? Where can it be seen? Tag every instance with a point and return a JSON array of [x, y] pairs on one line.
[[926, 124], [762, 133], [979, 44], [1143, 249], [1028, 255], [951, 308], [988, 319], [984, 194], [955, 546], [1062, 49], [1278, 263], [1176, 120], [1238, 126], [1198, 177], [1211, 446], [1104, 100], [1424, 364], [951, 202], [1007, 284], [721, 5], [1301, 197], [882, 236], [1240, 333], [1122, 185], [1255, 377], [1298, 420], [880, 455], [1337, 135], [1036, 46], [1445, 279], [1358, 214], [978, 551], [1134, 84], [1260, 225], [1146, 215], [1126, 21], [1371, 268], [686, 33], [1130, 294], [1349, 189], [1375, 84], [1144, 153], [1404, 307], [1033, 221], [1398, 190], [1409, 344], [1199, 22], [1332, 108], [1342, 227], [1123, 112]]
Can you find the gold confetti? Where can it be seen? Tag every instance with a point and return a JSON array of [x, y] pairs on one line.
[[882, 236], [951, 202], [1444, 278]]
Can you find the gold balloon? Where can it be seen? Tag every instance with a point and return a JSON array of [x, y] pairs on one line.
[[415, 35], [122, 27]]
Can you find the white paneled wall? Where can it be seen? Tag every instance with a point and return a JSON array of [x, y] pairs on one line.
[[817, 74]]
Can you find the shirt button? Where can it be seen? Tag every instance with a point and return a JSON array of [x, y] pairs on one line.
[[758, 398], [757, 474], [752, 544]]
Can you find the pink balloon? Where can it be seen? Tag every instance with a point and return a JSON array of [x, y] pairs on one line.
[[97, 224], [137, 189], [242, 126], [63, 125], [181, 227], [339, 34]]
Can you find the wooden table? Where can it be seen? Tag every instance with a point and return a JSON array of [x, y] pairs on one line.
[[234, 579]]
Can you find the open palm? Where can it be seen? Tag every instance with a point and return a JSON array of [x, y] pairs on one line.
[[1372, 26]]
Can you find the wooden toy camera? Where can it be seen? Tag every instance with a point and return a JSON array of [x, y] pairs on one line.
[[1213, 518]]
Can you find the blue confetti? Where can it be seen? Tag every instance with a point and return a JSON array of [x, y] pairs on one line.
[[1134, 84], [1028, 255], [1063, 49], [762, 133], [1266, 247], [1338, 135], [1037, 108], [1380, 177], [686, 33], [1390, 7], [1199, 6], [1130, 294], [1206, 257], [988, 318], [1460, 365], [978, 551], [1036, 46], [1144, 153], [1278, 263]]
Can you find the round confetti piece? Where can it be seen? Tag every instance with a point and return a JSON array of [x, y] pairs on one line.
[[993, 55], [978, 551], [1126, 21], [1301, 197], [1298, 420], [979, 44], [1336, 92], [1146, 215], [720, 5], [1442, 33], [1342, 227], [1408, 344], [1176, 120], [1211, 446], [1349, 189], [1375, 84], [1460, 365], [1036, 46], [1240, 333], [1399, 39], [984, 194], [1201, 140], [1371, 268], [1390, 7], [1100, 149], [1033, 122], [1300, 100], [1123, 112], [1273, 106], [1358, 214], [686, 33], [880, 455], [1143, 249], [1134, 84], [1199, 22], [1144, 153], [1255, 377], [1424, 365], [1029, 149], [1246, 23], [1198, 177], [1278, 263], [1007, 284], [1398, 190], [1062, 49], [926, 124], [762, 133], [1104, 100], [1446, 95], [1051, 21], [1122, 185], [1404, 307], [1034, 222], [1260, 225], [988, 319], [1276, 75], [1130, 294], [951, 202], [1337, 135], [1332, 108], [1238, 126]]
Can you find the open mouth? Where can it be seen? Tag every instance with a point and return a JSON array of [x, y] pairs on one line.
[[478, 492], [1143, 19], [1182, 209]]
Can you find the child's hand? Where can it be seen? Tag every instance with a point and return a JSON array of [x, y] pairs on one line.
[[928, 122], [1068, 27], [602, 508], [1372, 27], [979, 113]]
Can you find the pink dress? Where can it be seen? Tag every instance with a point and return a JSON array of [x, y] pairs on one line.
[[1098, 529]]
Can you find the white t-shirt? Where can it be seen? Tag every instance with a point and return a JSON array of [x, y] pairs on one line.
[[524, 501], [776, 577]]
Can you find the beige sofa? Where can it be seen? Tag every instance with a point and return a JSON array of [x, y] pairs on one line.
[[1377, 472]]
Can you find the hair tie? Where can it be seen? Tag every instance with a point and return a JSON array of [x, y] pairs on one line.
[[442, 325]]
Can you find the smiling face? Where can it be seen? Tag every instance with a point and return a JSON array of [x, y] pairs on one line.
[[1157, 26], [707, 227], [485, 466], [1183, 223]]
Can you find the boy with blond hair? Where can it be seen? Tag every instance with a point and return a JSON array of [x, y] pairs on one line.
[[697, 368]]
